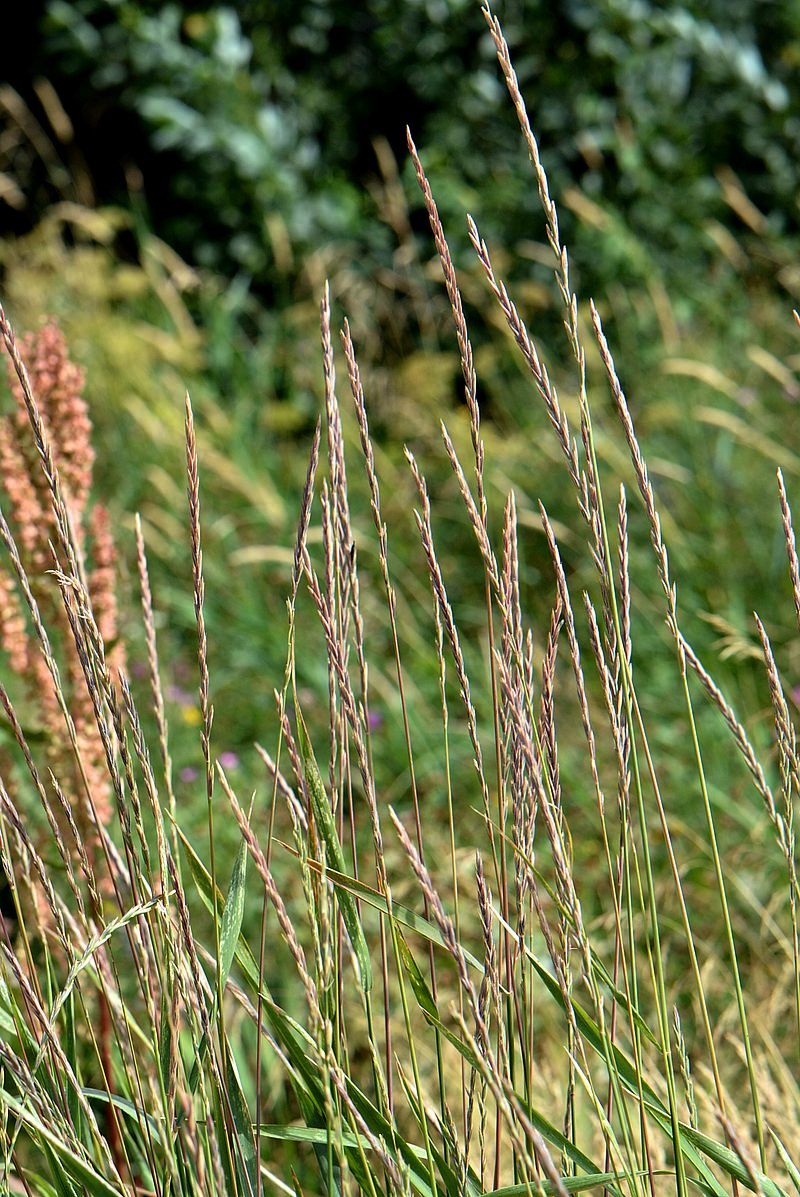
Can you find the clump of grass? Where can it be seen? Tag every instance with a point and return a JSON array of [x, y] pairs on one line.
[[435, 1034]]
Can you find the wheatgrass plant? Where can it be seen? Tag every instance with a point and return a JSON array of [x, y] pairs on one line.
[[455, 1044]]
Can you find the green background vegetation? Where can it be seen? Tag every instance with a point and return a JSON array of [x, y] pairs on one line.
[[178, 180]]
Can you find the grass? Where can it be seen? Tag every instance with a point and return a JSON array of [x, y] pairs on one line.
[[460, 981]]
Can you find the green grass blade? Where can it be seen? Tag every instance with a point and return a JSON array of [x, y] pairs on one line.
[[401, 914], [77, 1168], [572, 1184], [324, 818], [232, 914]]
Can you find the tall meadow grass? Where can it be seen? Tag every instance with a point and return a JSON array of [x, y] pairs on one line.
[[400, 1023]]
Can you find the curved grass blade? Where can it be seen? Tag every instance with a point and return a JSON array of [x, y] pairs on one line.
[[82, 1173], [232, 914], [202, 881], [84, 961], [402, 914], [323, 817], [230, 931], [572, 1184]]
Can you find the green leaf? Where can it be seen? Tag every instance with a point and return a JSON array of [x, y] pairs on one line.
[[572, 1184], [70, 1044], [232, 944], [418, 983], [165, 1045], [298, 1047], [401, 914], [226, 1147], [246, 1157], [63, 1186], [324, 819], [42, 1188], [232, 914], [314, 1134], [317, 1136], [202, 881], [788, 1162], [726, 1158], [126, 1106], [452, 1183], [76, 1167]]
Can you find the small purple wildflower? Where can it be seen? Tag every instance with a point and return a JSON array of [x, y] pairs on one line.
[[229, 760], [375, 720], [188, 773]]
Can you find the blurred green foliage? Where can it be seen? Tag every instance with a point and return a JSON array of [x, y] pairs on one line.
[[256, 124]]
